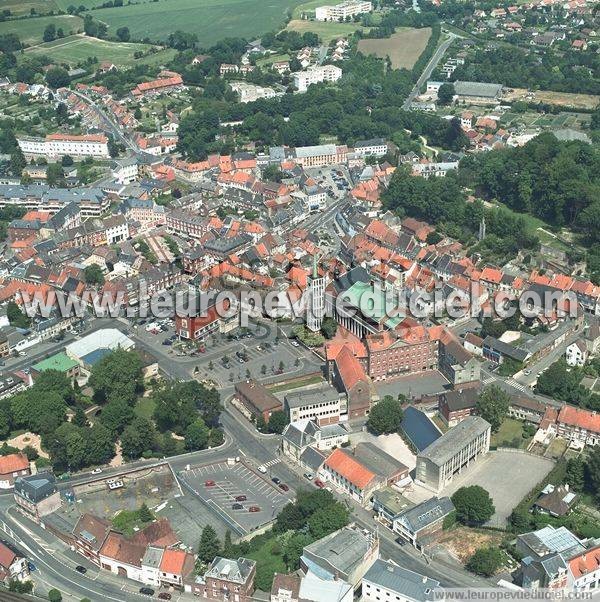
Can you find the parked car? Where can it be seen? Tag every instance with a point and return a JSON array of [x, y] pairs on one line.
[[319, 483], [81, 569], [97, 471], [164, 596], [294, 343], [240, 498], [237, 506], [209, 483], [254, 509], [276, 480], [309, 476], [147, 591], [283, 487], [262, 470], [167, 342]]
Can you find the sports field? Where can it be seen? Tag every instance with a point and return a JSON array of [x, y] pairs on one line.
[[211, 20], [404, 47], [31, 31], [77, 48]]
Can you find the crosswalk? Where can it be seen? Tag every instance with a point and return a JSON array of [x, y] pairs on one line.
[[271, 462], [488, 380], [517, 385]]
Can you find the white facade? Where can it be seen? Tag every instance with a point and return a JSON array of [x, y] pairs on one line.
[[342, 11], [59, 145], [125, 172], [117, 232], [251, 92], [371, 148], [576, 354], [315, 75]]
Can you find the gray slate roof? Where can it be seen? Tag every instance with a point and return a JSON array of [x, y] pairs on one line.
[[398, 579]]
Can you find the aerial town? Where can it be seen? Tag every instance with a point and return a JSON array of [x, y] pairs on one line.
[[299, 303]]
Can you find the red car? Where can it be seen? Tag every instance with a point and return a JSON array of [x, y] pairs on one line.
[[319, 483], [209, 483], [164, 596], [254, 509], [240, 498], [284, 487]]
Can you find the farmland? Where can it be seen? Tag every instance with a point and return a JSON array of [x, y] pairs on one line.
[[562, 99], [211, 20], [31, 31], [403, 48], [23, 7], [74, 49]]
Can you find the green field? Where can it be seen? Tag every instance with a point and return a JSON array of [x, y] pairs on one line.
[[23, 7], [326, 30], [310, 6], [211, 20], [77, 48], [31, 31]]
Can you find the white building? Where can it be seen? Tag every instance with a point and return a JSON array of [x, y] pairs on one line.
[[320, 155], [376, 147], [385, 580], [315, 75], [125, 171], [576, 353], [251, 92], [117, 229], [342, 11], [55, 146]]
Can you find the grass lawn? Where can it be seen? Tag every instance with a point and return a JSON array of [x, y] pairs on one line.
[[326, 30], [510, 434], [31, 31], [272, 58], [310, 7], [211, 20], [297, 384], [145, 407], [74, 49], [268, 562]]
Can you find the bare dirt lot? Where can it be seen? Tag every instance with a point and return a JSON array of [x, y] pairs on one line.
[[404, 47], [562, 99], [462, 542]]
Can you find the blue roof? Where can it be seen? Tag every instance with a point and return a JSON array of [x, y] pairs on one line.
[[95, 356], [419, 430]]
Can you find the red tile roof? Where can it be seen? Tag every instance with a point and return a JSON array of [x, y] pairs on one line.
[[173, 562], [7, 556], [349, 468], [585, 563], [584, 419], [350, 369], [13, 463]]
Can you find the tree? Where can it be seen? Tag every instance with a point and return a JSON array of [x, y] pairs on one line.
[[56, 382], [55, 176], [293, 549], [196, 435], [209, 545], [493, 405], [446, 93], [100, 445], [57, 77], [327, 520], [38, 411], [118, 375], [575, 475], [385, 416], [328, 327], [277, 422], [93, 274], [485, 561], [116, 415], [16, 317], [66, 160], [17, 162], [473, 504], [54, 595], [144, 514], [290, 518], [593, 471], [123, 34], [50, 33], [272, 173], [138, 438]]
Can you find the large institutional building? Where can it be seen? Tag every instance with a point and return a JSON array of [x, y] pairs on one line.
[[342, 11], [315, 75], [452, 453], [54, 146]]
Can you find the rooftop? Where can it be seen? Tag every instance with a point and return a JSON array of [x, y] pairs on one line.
[[407, 584]]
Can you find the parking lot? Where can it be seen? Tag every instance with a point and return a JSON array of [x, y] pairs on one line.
[[218, 485]]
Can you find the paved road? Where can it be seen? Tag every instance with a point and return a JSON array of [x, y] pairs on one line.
[[433, 63]]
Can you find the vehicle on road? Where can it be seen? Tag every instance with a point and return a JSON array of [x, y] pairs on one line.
[[319, 483], [527, 372], [254, 509], [309, 476], [147, 591], [164, 596], [97, 471], [81, 569], [262, 470], [209, 483], [237, 506], [294, 343]]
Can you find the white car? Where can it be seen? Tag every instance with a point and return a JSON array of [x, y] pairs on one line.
[[262, 469], [97, 471], [294, 343]]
